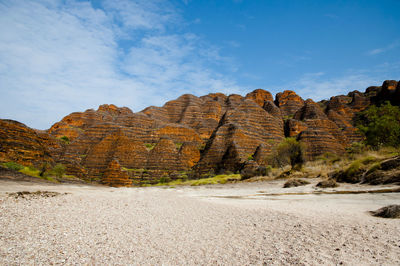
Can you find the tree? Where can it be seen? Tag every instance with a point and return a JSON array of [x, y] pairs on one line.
[[59, 170], [289, 151], [380, 125]]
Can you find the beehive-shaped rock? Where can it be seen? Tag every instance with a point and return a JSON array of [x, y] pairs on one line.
[[164, 156], [289, 102], [260, 96], [189, 154], [21, 144], [115, 176]]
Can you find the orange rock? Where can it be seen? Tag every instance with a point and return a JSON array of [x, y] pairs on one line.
[[260, 96], [130, 153], [21, 144], [189, 155], [241, 129], [164, 156], [115, 176], [212, 132], [294, 127], [289, 102], [178, 134]]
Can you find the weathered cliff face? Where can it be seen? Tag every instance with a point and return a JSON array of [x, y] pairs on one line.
[[318, 132], [21, 144], [241, 130], [214, 133], [115, 176]]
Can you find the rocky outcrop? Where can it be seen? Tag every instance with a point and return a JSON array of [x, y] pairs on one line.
[[208, 134], [21, 144], [201, 114], [260, 96], [316, 131], [115, 176], [129, 152], [389, 91], [288, 102], [189, 155], [239, 133], [164, 156]]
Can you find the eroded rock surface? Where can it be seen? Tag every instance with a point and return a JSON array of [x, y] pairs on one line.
[[211, 133]]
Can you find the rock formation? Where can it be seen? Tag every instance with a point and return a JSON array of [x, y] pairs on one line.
[[212, 133], [115, 176], [21, 144]]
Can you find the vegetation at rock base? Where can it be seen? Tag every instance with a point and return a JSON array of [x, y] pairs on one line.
[[45, 172], [289, 151], [380, 125], [59, 170], [65, 139], [250, 171], [31, 171], [218, 179], [328, 158], [356, 148], [13, 166], [213, 134]]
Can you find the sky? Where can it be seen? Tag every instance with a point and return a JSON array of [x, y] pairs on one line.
[[63, 56]]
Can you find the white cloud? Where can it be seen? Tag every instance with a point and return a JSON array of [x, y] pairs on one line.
[[57, 57], [387, 48], [318, 86]]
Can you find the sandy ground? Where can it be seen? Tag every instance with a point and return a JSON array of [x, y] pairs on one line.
[[238, 224]]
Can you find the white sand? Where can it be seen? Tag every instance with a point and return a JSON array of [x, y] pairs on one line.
[[152, 226]]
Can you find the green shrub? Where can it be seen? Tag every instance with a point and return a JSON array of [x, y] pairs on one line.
[[356, 148], [13, 166], [164, 180], [368, 160], [59, 170], [352, 174], [328, 158], [149, 146], [178, 145], [65, 139], [353, 168], [380, 125], [374, 167], [31, 171], [289, 151]]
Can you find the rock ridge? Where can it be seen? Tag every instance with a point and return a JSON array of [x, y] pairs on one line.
[[212, 133]]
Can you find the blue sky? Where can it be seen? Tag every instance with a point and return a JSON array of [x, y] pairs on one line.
[[61, 56]]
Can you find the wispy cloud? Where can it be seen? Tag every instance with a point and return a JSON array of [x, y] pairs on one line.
[[318, 86], [62, 56], [384, 49]]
